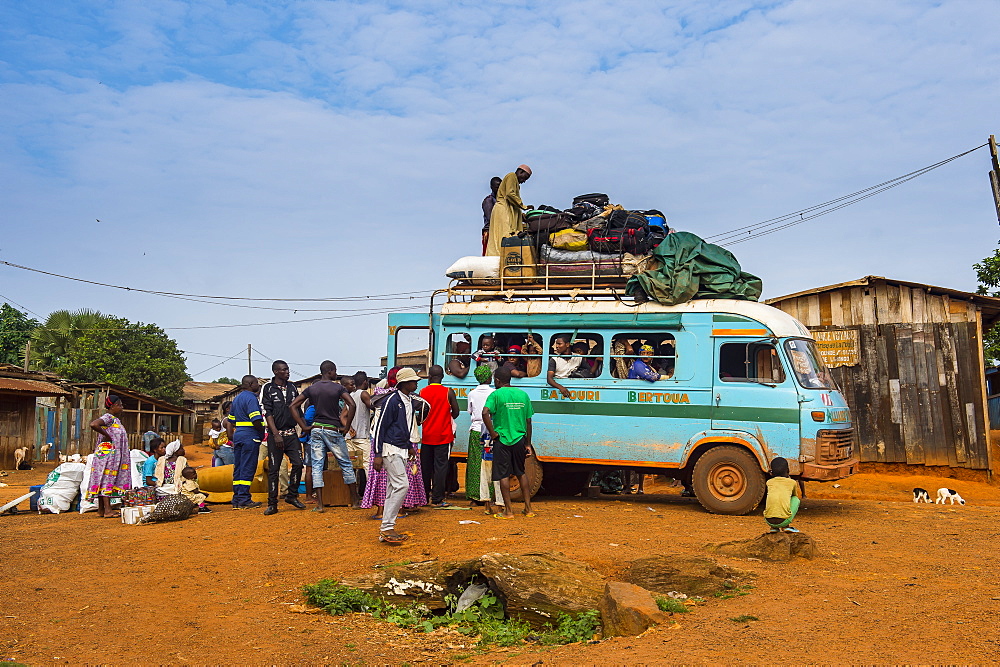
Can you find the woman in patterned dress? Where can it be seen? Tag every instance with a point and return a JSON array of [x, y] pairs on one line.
[[111, 471]]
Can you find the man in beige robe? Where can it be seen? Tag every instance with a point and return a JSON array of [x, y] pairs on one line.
[[507, 213]]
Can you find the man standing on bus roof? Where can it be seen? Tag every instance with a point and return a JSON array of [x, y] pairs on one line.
[[507, 212], [275, 398], [327, 430], [488, 203], [248, 431], [507, 416]]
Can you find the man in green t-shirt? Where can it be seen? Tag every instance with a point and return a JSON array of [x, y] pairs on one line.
[[507, 416]]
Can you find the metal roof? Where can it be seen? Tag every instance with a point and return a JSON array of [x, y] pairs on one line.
[[34, 387], [989, 305], [200, 392]]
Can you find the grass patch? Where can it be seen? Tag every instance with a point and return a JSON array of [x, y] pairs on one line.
[[484, 619], [401, 563], [671, 605], [744, 618]]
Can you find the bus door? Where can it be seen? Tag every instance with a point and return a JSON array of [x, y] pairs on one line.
[[753, 394], [410, 343]]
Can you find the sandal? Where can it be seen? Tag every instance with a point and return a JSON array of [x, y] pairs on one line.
[[392, 538], [501, 516], [528, 514]]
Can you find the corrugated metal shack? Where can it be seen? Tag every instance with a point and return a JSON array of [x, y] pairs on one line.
[[202, 398], [909, 360]]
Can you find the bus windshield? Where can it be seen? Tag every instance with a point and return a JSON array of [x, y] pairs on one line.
[[809, 368]]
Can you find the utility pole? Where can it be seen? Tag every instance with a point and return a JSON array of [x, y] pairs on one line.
[[249, 365], [995, 175], [27, 355]]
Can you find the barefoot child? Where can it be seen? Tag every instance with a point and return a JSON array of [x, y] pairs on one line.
[[507, 416], [191, 490], [782, 498]]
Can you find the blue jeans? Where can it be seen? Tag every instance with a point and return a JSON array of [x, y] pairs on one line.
[[223, 456], [321, 441]]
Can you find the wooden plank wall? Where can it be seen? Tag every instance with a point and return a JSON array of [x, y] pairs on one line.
[[917, 396], [16, 426]]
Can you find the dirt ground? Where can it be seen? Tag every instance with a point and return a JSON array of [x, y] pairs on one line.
[[896, 582]]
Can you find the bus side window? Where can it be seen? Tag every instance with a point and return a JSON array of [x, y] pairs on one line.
[[625, 349], [520, 353], [750, 362], [458, 355], [584, 358]]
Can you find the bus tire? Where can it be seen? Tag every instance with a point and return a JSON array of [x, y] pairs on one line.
[[728, 480], [563, 482], [533, 469]]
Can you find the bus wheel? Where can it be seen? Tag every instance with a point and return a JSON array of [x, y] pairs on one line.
[[533, 469], [728, 480]]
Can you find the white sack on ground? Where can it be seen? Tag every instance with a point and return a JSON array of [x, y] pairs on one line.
[[61, 488]]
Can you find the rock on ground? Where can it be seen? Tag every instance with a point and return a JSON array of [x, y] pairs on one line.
[[774, 547], [685, 574], [534, 587], [426, 583], [537, 586], [628, 610]]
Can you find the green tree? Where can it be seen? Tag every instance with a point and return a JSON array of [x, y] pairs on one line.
[[135, 355], [988, 273], [15, 332], [225, 380], [50, 342]]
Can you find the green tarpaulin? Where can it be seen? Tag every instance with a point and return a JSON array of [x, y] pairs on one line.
[[694, 269]]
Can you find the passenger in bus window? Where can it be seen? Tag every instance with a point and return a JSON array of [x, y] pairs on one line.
[[664, 363], [488, 354], [561, 365], [513, 362], [459, 364], [532, 351], [642, 368], [590, 367]]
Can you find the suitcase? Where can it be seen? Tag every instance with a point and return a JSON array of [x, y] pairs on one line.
[[548, 222], [595, 198], [335, 493]]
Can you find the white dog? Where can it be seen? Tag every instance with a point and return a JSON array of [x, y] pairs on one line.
[[950, 495]]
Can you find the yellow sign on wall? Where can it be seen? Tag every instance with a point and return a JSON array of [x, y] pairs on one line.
[[838, 348]]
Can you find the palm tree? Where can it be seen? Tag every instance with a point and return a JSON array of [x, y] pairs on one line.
[[51, 342]]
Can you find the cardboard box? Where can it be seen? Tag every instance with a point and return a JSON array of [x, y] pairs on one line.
[[335, 492], [131, 515]]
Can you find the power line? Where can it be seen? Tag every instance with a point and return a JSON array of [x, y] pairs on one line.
[[391, 296], [772, 225], [383, 311], [218, 364]]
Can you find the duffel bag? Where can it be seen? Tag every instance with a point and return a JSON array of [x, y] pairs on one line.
[[595, 198], [616, 241], [548, 222], [627, 220], [653, 237], [568, 239]]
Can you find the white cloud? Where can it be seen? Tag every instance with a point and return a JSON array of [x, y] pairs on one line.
[[328, 148]]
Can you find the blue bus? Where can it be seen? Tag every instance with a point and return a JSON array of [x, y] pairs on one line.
[[738, 383]]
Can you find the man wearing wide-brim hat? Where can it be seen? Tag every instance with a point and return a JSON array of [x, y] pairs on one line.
[[507, 212], [394, 448]]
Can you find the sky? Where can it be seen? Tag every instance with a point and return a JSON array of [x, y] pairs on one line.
[[311, 149]]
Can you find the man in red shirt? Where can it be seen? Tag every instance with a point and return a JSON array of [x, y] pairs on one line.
[[438, 434]]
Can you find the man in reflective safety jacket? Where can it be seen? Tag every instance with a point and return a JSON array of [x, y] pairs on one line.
[[246, 417]]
